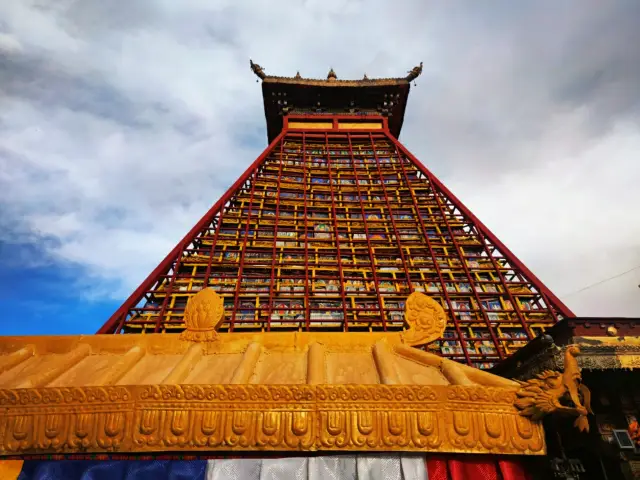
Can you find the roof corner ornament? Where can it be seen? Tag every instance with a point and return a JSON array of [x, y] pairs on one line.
[[426, 318], [298, 76], [555, 392], [414, 73], [331, 76], [203, 315], [365, 78], [257, 69]]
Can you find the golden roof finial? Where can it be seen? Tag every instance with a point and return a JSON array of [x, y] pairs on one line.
[[426, 319], [332, 75], [203, 315], [257, 69], [414, 72]]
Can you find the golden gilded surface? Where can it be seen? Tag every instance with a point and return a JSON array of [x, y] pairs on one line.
[[312, 125], [208, 391], [550, 391], [618, 352], [469, 419], [598, 353], [203, 315], [341, 125], [10, 469], [426, 318], [359, 125], [373, 82]]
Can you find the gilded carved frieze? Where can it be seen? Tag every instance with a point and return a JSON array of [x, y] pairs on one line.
[[471, 419], [425, 418], [286, 391], [65, 419]]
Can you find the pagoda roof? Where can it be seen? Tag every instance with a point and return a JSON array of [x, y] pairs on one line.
[[283, 95], [204, 391]]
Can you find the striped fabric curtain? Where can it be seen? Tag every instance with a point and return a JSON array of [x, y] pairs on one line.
[[348, 467]]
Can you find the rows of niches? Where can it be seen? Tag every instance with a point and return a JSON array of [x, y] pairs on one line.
[[333, 232]]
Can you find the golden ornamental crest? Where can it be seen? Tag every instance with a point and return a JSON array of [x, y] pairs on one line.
[[202, 316], [426, 318]]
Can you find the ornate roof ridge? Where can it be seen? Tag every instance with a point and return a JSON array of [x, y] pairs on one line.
[[332, 78]]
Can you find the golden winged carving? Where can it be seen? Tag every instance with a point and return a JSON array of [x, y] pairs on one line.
[[555, 392], [426, 318], [202, 316]]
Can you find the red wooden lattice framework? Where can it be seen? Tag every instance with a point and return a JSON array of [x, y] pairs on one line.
[[332, 230]]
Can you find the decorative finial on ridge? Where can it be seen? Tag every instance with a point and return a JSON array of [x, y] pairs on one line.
[[298, 76], [203, 315], [426, 318], [332, 75], [257, 69], [414, 73], [365, 77]]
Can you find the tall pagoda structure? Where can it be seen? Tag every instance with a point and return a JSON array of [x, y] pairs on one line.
[[338, 313], [334, 225]]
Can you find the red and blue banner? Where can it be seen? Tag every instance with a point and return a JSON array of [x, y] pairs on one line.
[[350, 467]]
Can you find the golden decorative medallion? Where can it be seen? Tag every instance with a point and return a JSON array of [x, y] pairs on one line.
[[203, 315], [426, 318]]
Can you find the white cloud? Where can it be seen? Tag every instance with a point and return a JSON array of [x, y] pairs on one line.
[[570, 218], [9, 44], [119, 127]]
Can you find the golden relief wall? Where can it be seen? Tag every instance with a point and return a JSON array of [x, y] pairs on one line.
[[207, 391]]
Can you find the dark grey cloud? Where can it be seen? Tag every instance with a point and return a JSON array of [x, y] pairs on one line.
[[600, 67], [44, 84], [509, 70]]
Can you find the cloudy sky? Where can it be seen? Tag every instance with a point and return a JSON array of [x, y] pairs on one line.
[[121, 122]]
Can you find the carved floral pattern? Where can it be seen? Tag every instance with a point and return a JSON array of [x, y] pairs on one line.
[[62, 419], [469, 419]]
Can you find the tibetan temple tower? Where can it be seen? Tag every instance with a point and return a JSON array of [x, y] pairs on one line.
[[338, 313], [332, 228]]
